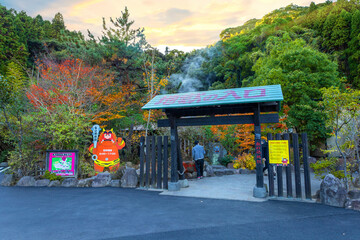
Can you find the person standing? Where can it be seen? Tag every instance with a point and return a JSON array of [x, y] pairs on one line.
[[198, 154]]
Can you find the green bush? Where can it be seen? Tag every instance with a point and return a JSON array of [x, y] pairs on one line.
[[327, 165], [52, 176], [226, 159]]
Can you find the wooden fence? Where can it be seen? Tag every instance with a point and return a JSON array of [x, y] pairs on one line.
[[294, 161], [154, 162]]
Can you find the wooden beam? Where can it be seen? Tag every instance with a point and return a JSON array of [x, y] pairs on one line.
[[226, 120]]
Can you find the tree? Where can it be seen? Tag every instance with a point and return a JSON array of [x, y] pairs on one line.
[[343, 111], [302, 72], [14, 108]]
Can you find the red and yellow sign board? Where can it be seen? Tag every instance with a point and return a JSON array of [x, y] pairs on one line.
[[279, 152]]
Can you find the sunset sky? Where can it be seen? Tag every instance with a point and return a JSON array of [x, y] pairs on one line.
[[180, 24]]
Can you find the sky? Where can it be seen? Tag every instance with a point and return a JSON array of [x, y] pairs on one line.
[[178, 24]]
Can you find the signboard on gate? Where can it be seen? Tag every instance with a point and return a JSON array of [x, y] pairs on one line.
[[62, 162], [279, 152]]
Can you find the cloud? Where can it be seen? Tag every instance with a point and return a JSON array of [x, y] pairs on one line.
[[173, 15]]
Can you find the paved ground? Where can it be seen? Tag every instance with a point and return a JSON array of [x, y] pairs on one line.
[[115, 213], [235, 187]]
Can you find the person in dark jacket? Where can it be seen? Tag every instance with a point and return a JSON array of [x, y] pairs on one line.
[[198, 154]]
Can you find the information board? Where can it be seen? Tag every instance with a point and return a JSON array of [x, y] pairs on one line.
[[62, 162], [279, 152]]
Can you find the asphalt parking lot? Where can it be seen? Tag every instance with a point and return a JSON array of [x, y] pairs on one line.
[[117, 213]]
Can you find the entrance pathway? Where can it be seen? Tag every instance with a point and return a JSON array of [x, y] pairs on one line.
[[234, 187]]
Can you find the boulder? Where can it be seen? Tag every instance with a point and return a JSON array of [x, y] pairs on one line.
[[317, 196], [188, 175], [219, 172], [118, 174], [7, 180], [85, 182], [332, 191], [70, 182], [357, 182], [354, 194], [194, 175], [130, 178], [229, 171], [353, 204], [26, 181], [4, 164], [55, 183], [209, 171], [244, 171], [115, 183], [129, 165], [102, 180], [42, 183]]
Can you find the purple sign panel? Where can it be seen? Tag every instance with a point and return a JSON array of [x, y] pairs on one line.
[[62, 162]]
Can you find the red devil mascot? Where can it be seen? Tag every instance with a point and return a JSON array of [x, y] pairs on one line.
[[106, 151]]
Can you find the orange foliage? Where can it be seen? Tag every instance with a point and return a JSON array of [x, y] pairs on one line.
[[87, 90]]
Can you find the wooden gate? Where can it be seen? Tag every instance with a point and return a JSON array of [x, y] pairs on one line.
[[295, 161], [154, 155]]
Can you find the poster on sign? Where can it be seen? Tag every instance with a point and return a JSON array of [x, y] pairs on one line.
[[62, 162], [279, 152]]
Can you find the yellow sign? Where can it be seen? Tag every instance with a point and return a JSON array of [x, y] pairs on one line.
[[279, 152]]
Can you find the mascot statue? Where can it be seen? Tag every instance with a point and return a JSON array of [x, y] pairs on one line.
[[105, 149]]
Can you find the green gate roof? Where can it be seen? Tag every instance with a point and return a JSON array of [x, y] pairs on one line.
[[258, 94]]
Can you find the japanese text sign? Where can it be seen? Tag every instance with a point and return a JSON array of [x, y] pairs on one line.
[[279, 152], [62, 162]]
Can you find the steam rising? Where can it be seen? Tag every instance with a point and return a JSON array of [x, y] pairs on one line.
[[192, 77]]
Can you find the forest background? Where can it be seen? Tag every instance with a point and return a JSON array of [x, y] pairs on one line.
[[55, 83]]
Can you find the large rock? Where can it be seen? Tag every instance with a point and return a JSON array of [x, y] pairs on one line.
[[115, 183], [354, 194], [102, 180], [70, 182], [85, 182], [26, 181], [55, 183], [353, 204], [42, 183], [8, 180], [246, 171], [332, 191], [4, 164], [209, 171], [130, 178]]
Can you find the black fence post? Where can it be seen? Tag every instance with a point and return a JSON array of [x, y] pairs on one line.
[[288, 171], [279, 173], [304, 141], [153, 162], [165, 165], [142, 143], [270, 170], [159, 161], [297, 165], [147, 159], [174, 155]]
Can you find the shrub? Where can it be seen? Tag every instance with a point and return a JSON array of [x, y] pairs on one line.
[[245, 160], [226, 159], [52, 176]]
